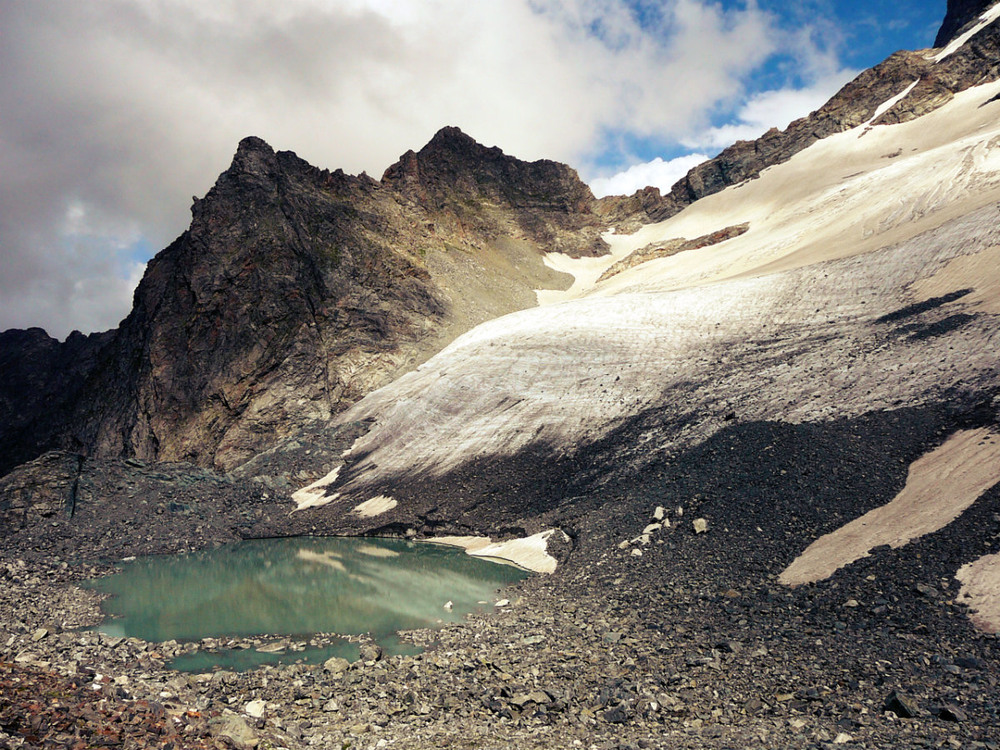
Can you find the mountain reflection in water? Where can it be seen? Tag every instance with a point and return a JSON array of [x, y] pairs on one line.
[[298, 586]]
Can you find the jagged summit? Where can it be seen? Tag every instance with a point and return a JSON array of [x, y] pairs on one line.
[[453, 165]]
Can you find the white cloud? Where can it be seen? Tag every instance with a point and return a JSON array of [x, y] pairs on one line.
[[769, 109], [657, 173], [128, 107]]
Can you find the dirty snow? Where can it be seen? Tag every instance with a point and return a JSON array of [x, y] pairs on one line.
[[940, 485]]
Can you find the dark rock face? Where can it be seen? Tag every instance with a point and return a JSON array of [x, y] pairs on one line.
[[961, 14], [238, 325], [295, 292], [41, 382], [41, 490]]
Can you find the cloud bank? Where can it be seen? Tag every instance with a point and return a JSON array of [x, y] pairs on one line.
[[114, 112]]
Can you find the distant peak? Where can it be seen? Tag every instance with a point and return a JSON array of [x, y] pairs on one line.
[[450, 142], [451, 134], [253, 143]]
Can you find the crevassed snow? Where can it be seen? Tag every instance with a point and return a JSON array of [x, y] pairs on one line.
[[957, 43], [795, 346], [682, 332]]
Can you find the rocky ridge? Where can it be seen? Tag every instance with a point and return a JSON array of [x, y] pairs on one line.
[[961, 14], [927, 84], [294, 292]]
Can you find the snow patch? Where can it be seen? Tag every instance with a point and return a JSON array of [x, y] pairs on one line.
[[958, 42], [530, 553], [887, 105], [376, 506], [981, 591], [967, 464], [315, 495]]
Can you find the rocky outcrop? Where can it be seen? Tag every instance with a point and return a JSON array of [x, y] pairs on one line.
[[41, 490], [285, 300], [961, 15], [672, 247], [629, 212], [42, 381]]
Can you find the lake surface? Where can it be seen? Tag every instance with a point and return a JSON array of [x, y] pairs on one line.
[[297, 587]]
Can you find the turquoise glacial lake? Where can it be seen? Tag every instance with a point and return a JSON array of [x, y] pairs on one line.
[[296, 588]]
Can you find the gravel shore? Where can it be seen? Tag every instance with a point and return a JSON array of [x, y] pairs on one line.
[[684, 641]]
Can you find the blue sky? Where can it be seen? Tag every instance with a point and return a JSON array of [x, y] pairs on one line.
[[113, 113], [847, 35]]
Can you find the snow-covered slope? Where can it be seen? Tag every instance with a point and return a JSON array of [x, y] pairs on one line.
[[779, 323]]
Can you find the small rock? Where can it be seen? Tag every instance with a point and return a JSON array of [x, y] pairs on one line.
[[660, 513], [336, 665], [970, 662], [237, 731], [39, 634], [448, 605], [255, 709], [616, 715], [843, 738], [928, 591], [950, 713], [700, 525], [502, 603], [902, 705], [651, 529], [637, 552], [539, 697], [852, 603]]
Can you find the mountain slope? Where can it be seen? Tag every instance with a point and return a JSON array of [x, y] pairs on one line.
[[296, 291]]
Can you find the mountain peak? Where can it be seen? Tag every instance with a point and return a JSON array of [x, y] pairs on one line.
[[450, 135], [455, 166], [253, 155]]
